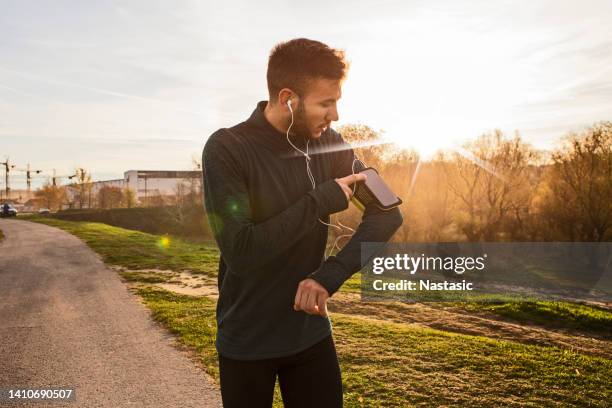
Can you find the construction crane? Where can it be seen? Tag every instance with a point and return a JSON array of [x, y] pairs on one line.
[[28, 173], [7, 170], [55, 177]]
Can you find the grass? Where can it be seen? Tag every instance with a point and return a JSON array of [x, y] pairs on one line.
[[395, 365], [383, 363], [139, 250], [353, 284], [565, 315], [146, 277]]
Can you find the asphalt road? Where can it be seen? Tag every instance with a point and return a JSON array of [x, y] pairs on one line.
[[66, 320]]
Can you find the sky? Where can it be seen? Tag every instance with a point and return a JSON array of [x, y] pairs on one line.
[[117, 85]]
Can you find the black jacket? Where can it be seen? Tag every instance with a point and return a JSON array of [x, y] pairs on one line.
[[263, 213]]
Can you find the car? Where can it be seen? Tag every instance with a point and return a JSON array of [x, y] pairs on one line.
[[7, 210], [44, 211]]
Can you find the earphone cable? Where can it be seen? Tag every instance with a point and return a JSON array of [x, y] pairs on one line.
[[313, 183]]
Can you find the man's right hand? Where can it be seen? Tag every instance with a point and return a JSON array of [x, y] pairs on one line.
[[346, 183]]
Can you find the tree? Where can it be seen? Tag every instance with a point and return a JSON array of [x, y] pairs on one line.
[[401, 171], [367, 144], [129, 198], [431, 201], [110, 197], [578, 204], [196, 184], [492, 181], [51, 196], [392, 164], [82, 192]]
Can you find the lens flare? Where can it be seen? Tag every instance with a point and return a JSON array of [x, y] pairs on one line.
[[164, 242]]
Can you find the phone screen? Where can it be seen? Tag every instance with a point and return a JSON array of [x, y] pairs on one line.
[[379, 188]]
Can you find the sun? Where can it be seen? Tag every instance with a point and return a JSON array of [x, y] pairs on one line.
[[425, 139], [439, 88]]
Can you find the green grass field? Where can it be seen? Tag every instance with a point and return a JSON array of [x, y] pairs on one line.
[[384, 363], [140, 250], [590, 319], [387, 364]]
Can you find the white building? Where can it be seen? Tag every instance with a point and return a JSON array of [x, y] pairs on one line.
[[151, 183], [146, 184], [97, 185]]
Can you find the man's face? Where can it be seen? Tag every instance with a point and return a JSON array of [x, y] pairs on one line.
[[317, 108]]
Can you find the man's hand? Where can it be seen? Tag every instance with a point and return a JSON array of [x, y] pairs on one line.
[[346, 183], [311, 297]]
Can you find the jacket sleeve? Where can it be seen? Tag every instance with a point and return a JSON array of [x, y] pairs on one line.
[[246, 245], [377, 226]]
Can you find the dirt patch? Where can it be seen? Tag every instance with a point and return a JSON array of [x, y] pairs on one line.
[[199, 289], [419, 314], [184, 283], [452, 320]]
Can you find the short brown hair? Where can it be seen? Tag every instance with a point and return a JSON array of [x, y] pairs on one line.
[[293, 63]]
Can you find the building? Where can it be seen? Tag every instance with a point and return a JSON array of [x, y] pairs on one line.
[[148, 186], [16, 195], [155, 183]]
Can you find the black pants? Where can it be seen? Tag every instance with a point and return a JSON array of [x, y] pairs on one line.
[[310, 378]]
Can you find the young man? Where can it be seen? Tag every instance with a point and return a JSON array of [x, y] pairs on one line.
[[268, 210]]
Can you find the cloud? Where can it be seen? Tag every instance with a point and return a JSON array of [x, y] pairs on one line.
[[119, 84]]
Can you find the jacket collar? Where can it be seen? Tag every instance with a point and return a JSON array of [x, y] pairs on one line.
[[270, 137]]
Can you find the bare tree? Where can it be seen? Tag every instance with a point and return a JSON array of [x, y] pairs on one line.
[[110, 197], [578, 204], [51, 196], [435, 199], [366, 142], [490, 178], [84, 187], [129, 198]]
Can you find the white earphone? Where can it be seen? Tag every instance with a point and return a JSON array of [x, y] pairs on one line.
[[304, 153], [312, 180]]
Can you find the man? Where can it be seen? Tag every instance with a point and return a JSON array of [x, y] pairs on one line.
[[270, 225]]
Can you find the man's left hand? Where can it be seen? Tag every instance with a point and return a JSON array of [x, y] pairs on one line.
[[311, 297]]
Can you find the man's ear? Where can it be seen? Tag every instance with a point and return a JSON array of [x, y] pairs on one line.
[[287, 95]]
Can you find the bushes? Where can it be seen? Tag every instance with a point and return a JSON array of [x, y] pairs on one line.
[[187, 221]]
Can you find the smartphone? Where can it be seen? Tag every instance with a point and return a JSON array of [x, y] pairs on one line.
[[374, 191]]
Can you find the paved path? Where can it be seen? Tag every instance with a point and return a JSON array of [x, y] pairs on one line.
[[66, 320]]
